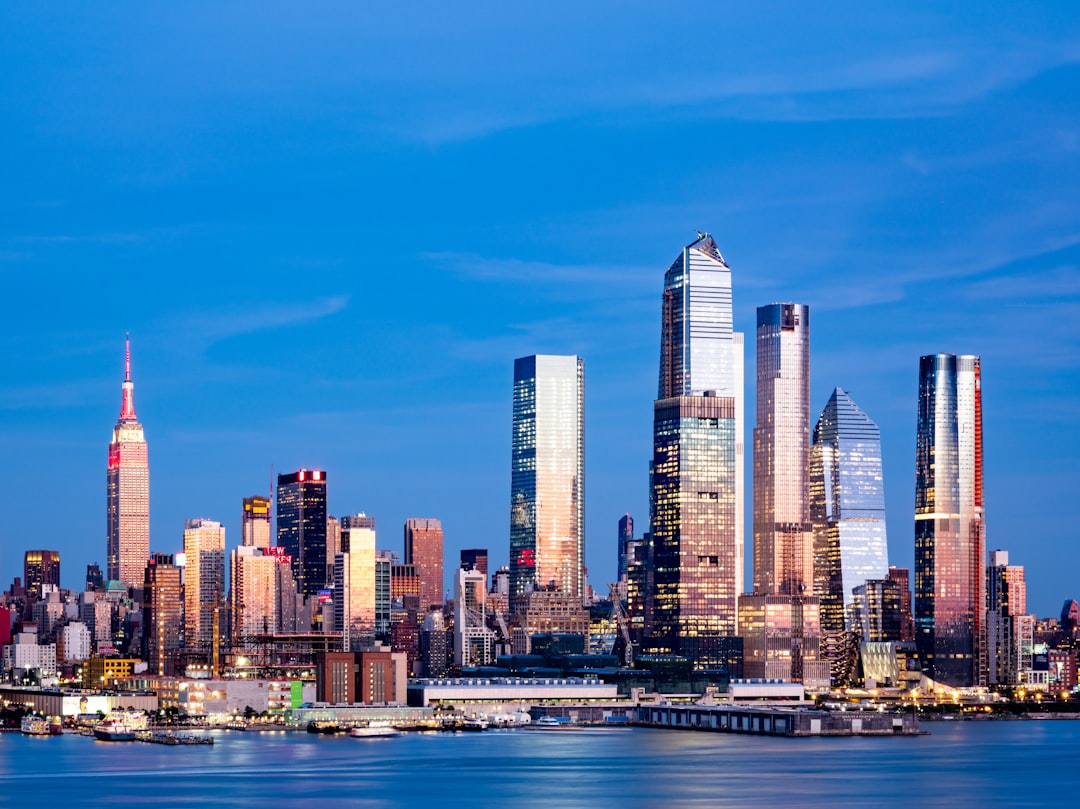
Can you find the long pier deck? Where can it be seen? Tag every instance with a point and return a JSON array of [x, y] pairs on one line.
[[768, 721]]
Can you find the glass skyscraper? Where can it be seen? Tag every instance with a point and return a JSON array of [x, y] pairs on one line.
[[847, 508], [204, 581], [950, 600], [783, 537], [696, 481], [128, 491], [547, 476], [301, 527]]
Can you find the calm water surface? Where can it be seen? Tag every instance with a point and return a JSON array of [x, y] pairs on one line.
[[983, 764]]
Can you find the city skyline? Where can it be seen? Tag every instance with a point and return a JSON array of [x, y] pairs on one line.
[[908, 174]]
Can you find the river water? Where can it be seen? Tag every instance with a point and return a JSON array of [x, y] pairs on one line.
[[960, 764]]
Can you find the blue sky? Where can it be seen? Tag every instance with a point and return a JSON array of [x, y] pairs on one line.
[[330, 230]]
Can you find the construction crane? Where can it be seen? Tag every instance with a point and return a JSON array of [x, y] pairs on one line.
[[619, 614]]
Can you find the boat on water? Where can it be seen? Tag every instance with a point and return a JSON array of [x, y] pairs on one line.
[[56, 728], [551, 723], [112, 730], [34, 726], [373, 732], [475, 724]]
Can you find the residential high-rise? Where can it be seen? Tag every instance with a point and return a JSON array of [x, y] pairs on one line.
[[847, 509], [255, 522], [902, 577], [547, 476], [204, 581], [1006, 605], [424, 549], [163, 615], [696, 483], [301, 527], [253, 577], [950, 600], [783, 536], [127, 491], [384, 561], [40, 567], [355, 582]]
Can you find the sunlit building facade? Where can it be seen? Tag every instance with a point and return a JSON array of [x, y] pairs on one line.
[[783, 535], [204, 581], [700, 352], [354, 590], [301, 527], [547, 477], [424, 549], [127, 491], [163, 615], [253, 576], [847, 509], [1006, 610], [950, 594], [782, 639]]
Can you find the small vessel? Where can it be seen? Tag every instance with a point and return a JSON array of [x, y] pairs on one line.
[[34, 726], [551, 723], [56, 728], [475, 724], [112, 730], [373, 731]]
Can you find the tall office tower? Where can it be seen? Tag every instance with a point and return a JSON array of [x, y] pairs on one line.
[[547, 476], [475, 559], [626, 537], [700, 352], [289, 601], [950, 595], [40, 567], [301, 527], [783, 536], [253, 577], [204, 581], [255, 522], [424, 550], [384, 561], [847, 508], [782, 639], [163, 615], [695, 555], [1006, 602], [902, 577], [354, 590], [128, 491]]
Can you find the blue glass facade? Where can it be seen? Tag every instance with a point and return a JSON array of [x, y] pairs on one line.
[[847, 508]]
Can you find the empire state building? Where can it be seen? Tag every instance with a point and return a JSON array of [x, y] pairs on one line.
[[128, 491]]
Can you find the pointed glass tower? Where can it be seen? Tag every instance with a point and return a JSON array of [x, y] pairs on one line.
[[128, 491], [847, 508]]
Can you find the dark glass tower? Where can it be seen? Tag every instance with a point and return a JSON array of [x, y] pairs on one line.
[[301, 526], [626, 538], [847, 508], [950, 595]]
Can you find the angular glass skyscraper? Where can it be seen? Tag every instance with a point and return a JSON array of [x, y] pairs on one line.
[[950, 556], [547, 476], [696, 473], [128, 491], [783, 537], [847, 508]]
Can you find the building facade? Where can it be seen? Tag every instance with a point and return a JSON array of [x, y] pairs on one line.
[[253, 577], [204, 582], [301, 527], [40, 568], [127, 491], [424, 549], [847, 508], [783, 535], [163, 615], [950, 595], [354, 590], [255, 522], [694, 556], [547, 488], [1006, 593]]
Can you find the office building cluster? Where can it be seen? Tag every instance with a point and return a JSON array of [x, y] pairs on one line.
[[305, 591]]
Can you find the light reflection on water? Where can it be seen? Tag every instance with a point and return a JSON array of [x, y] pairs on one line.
[[960, 764]]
